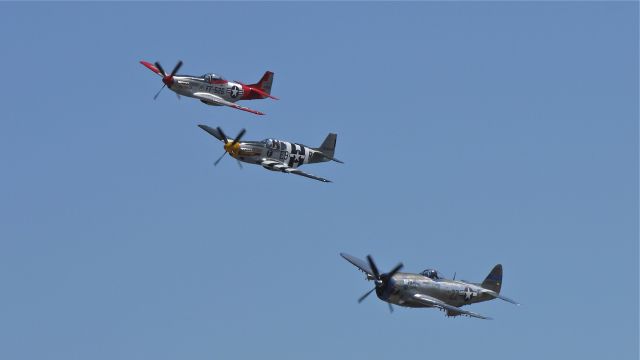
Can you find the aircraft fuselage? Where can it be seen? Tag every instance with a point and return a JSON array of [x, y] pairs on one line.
[[403, 286], [228, 90], [290, 154]]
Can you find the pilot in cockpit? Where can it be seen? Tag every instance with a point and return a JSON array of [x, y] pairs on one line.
[[431, 273], [210, 77], [268, 143]]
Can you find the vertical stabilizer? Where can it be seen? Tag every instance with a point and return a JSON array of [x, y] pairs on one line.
[[493, 281], [265, 83], [328, 146]]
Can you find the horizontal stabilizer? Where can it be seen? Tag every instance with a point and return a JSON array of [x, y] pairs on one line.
[[330, 158], [498, 296], [508, 300], [257, 90]]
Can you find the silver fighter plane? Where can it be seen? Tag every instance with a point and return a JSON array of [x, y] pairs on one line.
[[213, 89], [429, 288], [275, 155]]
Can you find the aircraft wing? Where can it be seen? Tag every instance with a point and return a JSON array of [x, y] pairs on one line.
[[431, 301], [360, 264], [216, 100], [302, 173], [151, 67], [213, 132], [277, 165]]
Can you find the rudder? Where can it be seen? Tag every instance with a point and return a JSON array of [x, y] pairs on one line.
[[493, 281], [265, 82], [328, 146]]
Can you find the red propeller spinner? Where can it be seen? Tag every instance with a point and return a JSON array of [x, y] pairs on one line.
[[166, 79]]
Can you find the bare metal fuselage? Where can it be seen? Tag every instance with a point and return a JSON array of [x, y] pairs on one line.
[[280, 152], [403, 286], [189, 85]]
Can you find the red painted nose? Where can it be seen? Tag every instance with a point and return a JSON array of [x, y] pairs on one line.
[[168, 80]]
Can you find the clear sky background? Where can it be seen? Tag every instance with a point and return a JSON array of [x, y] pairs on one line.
[[472, 134]]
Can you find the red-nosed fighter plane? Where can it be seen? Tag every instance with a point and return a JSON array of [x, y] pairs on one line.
[[212, 89]]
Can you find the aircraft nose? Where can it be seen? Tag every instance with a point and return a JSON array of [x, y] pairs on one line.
[[168, 80]]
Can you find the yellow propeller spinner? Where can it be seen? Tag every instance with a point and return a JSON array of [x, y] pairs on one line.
[[233, 147]]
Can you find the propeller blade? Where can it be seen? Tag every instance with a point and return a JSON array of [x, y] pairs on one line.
[[175, 69], [224, 137], [395, 270], [373, 267], [158, 93], [157, 64], [390, 308], [240, 135], [220, 158], [365, 295]]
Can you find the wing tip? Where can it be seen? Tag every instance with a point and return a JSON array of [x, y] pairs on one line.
[[249, 110], [150, 66]]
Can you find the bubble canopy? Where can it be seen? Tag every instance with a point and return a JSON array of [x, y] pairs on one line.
[[431, 273], [212, 76]]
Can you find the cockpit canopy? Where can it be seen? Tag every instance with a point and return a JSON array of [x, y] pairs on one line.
[[275, 144], [431, 273], [211, 77]]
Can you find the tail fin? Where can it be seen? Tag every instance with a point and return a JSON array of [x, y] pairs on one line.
[[265, 83], [493, 281], [326, 150], [328, 146]]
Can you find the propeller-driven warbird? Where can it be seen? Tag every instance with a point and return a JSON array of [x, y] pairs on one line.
[[429, 288], [212, 89], [275, 155]]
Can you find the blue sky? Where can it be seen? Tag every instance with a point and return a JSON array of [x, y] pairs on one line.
[[472, 134]]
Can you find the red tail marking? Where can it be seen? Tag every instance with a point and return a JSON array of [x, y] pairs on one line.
[[261, 93]]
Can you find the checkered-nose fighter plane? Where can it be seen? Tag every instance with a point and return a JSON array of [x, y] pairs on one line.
[[212, 89], [275, 155], [429, 288]]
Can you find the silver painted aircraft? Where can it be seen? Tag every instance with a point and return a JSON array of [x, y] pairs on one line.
[[429, 288], [275, 155], [212, 89]]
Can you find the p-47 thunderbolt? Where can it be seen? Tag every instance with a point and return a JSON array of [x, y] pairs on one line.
[[212, 89], [275, 155], [429, 288]]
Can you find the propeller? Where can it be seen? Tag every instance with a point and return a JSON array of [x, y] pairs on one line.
[[230, 147], [381, 280], [167, 79], [365, 295]]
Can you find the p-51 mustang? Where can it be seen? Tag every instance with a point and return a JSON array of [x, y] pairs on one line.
[[275, 155], [429, 289], [212, 89]]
